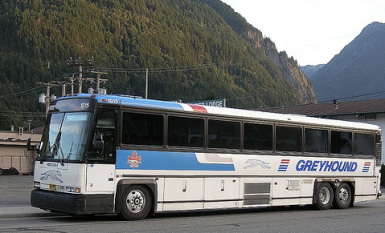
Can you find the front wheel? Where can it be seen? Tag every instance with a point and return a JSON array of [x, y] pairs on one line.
[[343, 196], [324, 196], [136, 202]]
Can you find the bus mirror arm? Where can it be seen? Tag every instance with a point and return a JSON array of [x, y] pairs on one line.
[[30, 147]]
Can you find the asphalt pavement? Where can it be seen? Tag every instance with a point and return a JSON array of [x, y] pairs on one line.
[[15, 194]]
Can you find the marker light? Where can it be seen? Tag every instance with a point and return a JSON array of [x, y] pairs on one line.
[[36, 185]]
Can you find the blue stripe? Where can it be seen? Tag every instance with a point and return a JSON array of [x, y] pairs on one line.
[[365, 169], [161, 160], [283, 167]]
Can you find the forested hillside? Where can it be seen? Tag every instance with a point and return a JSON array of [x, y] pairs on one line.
[[193, 49]]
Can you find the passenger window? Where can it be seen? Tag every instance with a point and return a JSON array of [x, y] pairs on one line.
[[142, 129], [224, 134], [364, 144], [341, 142], [316, 140], [185, 131], [258, 137], [288, 138]]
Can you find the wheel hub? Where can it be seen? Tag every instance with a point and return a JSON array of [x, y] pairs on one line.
[[343, 195], [324, 195], [135, 201]]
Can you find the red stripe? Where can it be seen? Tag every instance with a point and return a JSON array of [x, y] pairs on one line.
[[198, 108], [285, 160], [367, 164]]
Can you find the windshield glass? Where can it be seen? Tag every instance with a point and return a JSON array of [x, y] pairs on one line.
[[65, 136]]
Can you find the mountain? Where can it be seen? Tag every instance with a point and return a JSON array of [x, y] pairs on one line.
[[193, 50], [358, 71], [311, 70]]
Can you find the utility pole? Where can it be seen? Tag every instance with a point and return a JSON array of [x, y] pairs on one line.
[[63, 85], [78, 62], [99, 80], [47, 99], [72, 80], [146, 95]]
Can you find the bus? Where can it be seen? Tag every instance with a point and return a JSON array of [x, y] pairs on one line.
[[116, 154]]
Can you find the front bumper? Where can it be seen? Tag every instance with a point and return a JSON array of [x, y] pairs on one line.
[[74, 204]]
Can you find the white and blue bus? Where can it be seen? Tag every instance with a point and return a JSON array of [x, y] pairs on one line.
[[104, 154]]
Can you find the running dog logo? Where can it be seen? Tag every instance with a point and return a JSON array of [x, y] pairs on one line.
[[53, 174], [256, 162]]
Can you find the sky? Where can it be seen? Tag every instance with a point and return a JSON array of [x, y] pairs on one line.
[[311, 31]]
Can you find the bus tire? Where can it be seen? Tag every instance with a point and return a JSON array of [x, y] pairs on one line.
[[324, 196], [343, 196], [136, 202]]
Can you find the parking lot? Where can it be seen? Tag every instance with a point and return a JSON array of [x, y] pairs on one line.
[[15, 190]]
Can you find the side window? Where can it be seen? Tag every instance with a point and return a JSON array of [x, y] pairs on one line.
[[104, 143], [341, 142], [316, 140], [288, 138], [106, 119], [142, 129], [184, 131], [364, 144], [258, 137], [224, 134]]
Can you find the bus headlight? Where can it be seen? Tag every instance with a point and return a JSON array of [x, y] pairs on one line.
[[36, 185], [72, 189]]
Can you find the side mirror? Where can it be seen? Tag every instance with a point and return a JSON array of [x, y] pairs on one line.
[[99, 142], [30, 147]]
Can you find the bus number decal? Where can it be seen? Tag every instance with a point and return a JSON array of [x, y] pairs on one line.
[[84, 105], [110, 101]]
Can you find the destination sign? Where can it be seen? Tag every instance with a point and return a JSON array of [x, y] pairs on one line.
[[68, 105]]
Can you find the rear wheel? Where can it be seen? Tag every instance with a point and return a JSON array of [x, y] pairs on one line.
[[136, 202], [324, 196], [343, 196]]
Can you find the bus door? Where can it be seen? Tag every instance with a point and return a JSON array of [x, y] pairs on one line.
[[102, 156]]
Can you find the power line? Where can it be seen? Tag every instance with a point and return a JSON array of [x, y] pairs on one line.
[[155, 70], [356, 96], [21, 93]]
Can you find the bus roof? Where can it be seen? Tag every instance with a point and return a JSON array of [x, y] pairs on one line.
[[134, 101]]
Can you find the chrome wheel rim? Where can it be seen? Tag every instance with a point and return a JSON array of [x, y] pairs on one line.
[[135, 201], [343, 195], [324, 195]]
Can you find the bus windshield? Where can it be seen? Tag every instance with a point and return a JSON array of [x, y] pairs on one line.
[[65, 136]]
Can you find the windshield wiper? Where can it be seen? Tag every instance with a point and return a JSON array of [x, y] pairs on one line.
[[56, 147]]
